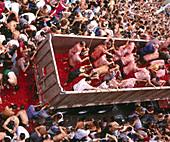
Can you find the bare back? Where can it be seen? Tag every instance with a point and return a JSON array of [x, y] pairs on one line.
[[23, 115]]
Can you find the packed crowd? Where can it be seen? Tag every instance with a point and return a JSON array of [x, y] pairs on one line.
[[143, 124], [25, 24]]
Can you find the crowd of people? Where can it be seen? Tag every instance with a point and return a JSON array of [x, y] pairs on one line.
[[143, 124], [25, 24]]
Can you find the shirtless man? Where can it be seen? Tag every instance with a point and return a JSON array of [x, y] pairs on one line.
[[129, 83], [92, 125], [9, 111], [102, 69], [61, 136], [81, 124], [10, 125], [157, 82], [100, 49], [39, 132], [114, 126], [123, 50], [101, 61], [144, 74], [42, 11], [9, 77], [129, 68], [12, 26], [156, 65], [126, 60], [82, 71], [23, 116], [77, 48], [75, 60], [112, 73], [19, 65]]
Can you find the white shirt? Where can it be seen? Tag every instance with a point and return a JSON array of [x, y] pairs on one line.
[[103, 85], [80, 133], [23, 36], [93, 24], [15, 7], [96, 9], [124, 134], [13, 42], [2, 38], [38, 34], [20, 130], [82, 85], [31, 17], [91, 15]]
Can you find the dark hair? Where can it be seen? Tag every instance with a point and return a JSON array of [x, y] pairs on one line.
[[7, 139], [14, 107], [1, 16], [137, 82], [158, 78], [110, 66], [129, 128], [26, 17], [163, 66], [31, 47], [12, 15], [42, 33], [47, 127], [33, 33], [107, 81], [22, 107], [11, 123], [82, 43], [4, 42], [16, 87], [25, 26], [58, 27], [38, 108], [88, 79], [59, 116], [22, 136], [18, 27], [109, 43], [25, 42], [45, 6], [53, 29], [86, 126]]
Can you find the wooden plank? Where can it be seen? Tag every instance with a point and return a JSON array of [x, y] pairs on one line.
[[49, 81], [43, 63], [42, 51], [50, 93]]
